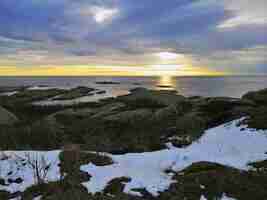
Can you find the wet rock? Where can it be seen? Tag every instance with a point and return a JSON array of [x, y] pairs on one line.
[[6, 117]]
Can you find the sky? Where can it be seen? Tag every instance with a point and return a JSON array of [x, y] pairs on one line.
[[131, 37]]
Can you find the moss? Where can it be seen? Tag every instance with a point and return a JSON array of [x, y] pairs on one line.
[[4, 195], [201, 167], [71, 160], [260, 167], [259, 97], [257, 118], [213, 180], [116, 186], [75, 93]]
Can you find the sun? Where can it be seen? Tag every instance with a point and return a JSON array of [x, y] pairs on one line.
[[167, 55], [101, 14]]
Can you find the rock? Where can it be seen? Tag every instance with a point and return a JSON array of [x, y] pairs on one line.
[[6, 117], [214, 181], [130, 116], [4, 195], [187, 129], [27, 96], [101, 92], [257, 118], [116, 186], [75, 93], [12, 89], [108, 109], [17, 180], [218, 110], [173, 110], [107, 83], [259, 97], [2, 181], [141, 97]]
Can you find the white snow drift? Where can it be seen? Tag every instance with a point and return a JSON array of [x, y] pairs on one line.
[[228, 144]]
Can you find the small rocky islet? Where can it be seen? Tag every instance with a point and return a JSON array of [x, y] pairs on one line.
[[142, 121]]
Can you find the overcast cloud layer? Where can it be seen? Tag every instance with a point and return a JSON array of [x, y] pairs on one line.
[[220, 34]]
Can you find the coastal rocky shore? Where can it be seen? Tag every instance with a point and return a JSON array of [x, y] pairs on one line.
[[146, 145]]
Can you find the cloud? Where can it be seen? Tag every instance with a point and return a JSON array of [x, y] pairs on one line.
[[246, 12], [115, 32]]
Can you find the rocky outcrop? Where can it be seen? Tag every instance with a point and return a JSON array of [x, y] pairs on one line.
[[27, 96], [6, 117], [141, 97], [258, 97], [75, 93], [130, 116], [213, 181]]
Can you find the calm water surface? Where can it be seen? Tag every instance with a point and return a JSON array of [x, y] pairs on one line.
[[234, 86]]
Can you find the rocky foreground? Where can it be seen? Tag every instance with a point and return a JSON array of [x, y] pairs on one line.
[[163, 126]]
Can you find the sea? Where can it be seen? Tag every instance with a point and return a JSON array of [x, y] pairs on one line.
[[230, 86]]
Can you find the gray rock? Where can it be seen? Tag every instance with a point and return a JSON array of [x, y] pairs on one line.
[[130, 116], [6, 117], [160, 97], [75, 93], [259, 97]]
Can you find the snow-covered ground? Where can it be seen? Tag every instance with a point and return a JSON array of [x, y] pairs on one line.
[[20, 164], [227, 144], [224, 197], [8, 93]]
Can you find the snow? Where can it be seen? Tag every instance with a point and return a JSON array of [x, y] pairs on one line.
[[46, 88], [202, 198], [14, 164], [224, 197], [227, 144], [38, 197], [8, 93]]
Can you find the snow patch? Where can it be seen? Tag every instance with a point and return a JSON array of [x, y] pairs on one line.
[[228, 144], [17, 166]]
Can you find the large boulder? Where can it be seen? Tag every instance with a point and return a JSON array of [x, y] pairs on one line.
[[6, 117]]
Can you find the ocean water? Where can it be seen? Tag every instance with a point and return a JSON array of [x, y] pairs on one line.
[[232, 86]]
